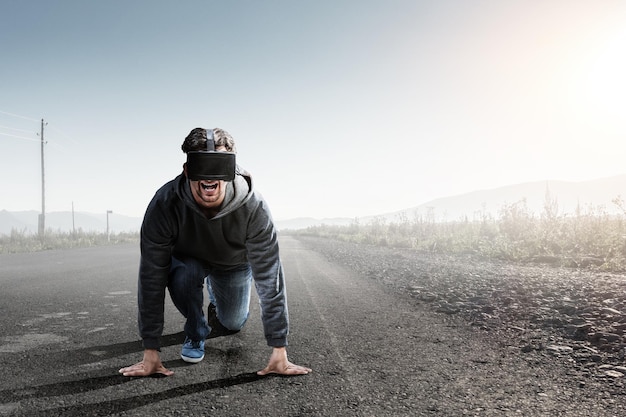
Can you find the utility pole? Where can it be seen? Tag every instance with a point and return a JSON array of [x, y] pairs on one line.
[[42, 216], [108, 230], [73, 224]]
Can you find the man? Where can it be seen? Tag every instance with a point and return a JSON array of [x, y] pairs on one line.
[[209, 225]]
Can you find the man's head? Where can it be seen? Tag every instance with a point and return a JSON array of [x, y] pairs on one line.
[[210, 163], [196, 140]]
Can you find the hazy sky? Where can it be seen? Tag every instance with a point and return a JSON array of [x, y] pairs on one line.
[[339, 107]]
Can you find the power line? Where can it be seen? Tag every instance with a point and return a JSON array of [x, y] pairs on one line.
[[17, 115], [19, 137], [13, 128], [62, 133], [53, 142]]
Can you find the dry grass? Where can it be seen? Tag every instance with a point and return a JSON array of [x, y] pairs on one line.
[[591, 239], [22, 241]]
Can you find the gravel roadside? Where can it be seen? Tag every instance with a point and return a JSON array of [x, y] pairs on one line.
[[562, 328]]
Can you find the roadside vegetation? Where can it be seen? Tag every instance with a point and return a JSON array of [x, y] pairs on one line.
[[590, 238], [23, 241]]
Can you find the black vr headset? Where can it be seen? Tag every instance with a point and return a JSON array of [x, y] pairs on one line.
[[210, 164]]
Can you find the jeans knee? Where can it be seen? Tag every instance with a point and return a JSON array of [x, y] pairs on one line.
[[234, 323]]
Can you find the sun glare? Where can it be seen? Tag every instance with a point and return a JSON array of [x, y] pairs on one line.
[[601, 89]]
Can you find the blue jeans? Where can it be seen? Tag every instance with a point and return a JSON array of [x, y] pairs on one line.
[[228, 289]]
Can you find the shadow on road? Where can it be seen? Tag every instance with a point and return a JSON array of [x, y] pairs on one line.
[[118, 405], [104, 378], [88, 354], [90, 383]]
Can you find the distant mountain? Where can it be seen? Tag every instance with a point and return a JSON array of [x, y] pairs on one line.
[[27, 221], [593, 196], [589, 196]]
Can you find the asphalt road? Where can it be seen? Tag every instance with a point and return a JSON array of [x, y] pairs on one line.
[[68, 323]]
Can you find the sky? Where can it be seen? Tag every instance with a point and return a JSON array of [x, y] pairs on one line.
[[339, 108]]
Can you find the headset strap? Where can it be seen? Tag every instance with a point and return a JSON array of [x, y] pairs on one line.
[[210, 141]]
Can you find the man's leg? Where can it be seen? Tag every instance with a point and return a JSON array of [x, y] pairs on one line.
[[186, 282], [229, 292]]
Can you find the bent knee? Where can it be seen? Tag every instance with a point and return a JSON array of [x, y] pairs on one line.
[[234, 323]]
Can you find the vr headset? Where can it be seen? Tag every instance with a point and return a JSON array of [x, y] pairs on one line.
[[210, 164]]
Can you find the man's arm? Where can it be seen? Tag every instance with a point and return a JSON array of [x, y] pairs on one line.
[[267, 270], [157, 236], [263, 254]]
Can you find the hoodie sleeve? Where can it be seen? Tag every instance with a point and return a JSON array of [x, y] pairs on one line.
[[157, 237], [263, 255]]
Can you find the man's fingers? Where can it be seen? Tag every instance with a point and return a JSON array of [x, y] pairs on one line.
[[134, 370], [297, 370], [290, 369], [139, 369], [134, 373], [269, 369], [165, 371]]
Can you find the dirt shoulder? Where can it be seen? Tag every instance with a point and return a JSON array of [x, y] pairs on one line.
[[560, 329]]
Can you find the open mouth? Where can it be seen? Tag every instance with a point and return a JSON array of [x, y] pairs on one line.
[[208, 187]]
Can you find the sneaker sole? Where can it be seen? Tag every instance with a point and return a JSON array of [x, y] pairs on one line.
[[191, 360]]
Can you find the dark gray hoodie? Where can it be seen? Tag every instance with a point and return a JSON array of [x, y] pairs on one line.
[[242, 232]]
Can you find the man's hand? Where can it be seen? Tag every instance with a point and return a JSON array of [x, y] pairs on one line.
[[279, 364], [151, 364]]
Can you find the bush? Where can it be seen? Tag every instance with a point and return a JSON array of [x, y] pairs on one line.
[[593, 239], [22, 241]]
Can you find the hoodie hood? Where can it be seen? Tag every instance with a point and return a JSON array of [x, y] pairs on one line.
[[237, 193]]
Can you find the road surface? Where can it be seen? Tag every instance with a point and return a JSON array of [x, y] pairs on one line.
[[68, 323]]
